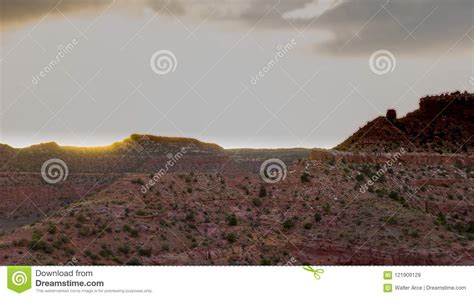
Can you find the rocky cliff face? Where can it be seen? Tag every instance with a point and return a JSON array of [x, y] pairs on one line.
[[401, 156], [442, 124]]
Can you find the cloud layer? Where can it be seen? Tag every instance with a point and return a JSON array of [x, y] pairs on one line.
[[353, 26]]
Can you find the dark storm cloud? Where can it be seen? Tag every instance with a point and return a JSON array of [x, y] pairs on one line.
[[354, 26], [17, 12], [409, 26]]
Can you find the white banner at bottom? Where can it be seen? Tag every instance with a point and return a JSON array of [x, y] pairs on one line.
[[237, 281]]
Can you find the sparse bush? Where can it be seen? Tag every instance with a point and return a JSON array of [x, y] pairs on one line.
[[289, 223], [52, 227], [231, 237], [124, 249], [134, 233], [415, 234], [327, 208], [305, 177], [138, 181], [317, 217], [146, 252], [127, 228], [190, 215], [263, 192], [105, 252], [133, 262], [232, 220], [257, 202]]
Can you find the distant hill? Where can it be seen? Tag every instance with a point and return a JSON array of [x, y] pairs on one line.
[[143, 153], [442, 124], [128, 155]]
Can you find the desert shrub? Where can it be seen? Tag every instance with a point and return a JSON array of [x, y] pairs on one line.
[[138, 181], [190, 215], [326, 208], [470, 227], [80, 218], [257, 202], [133, 262], [396, 197], [232, 220], [127, 228], [84, 231], [140, 212], [305, 177], [440, 219], [263, 192], [462, 227], [317, 217], [415, 234], [105, 252], [380, 192], [124, 249], [307, 226], [91, 255], [37, 244], [134, 233], [52, 227], [146, 252], [289, 223], [231, 237]]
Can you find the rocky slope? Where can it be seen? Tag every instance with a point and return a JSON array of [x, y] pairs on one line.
[[414, 215]]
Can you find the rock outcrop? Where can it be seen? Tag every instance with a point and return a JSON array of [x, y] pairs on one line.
[[442, 124]]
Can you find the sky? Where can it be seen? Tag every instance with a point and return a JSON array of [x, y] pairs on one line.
[[249, 73]]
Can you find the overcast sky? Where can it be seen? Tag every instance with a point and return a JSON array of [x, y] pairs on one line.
[[316, 84]]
